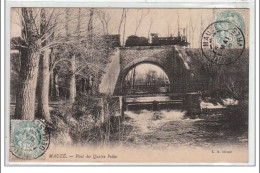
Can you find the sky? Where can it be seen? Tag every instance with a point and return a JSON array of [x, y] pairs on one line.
[[165, 22]]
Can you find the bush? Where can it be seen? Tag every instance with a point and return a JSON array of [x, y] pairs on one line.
[[237, 116], [86, 121], [59, 129], [86, 105], [81, 130]]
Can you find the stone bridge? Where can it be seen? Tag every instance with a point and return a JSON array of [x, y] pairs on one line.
[[168, 58], [186, 68]]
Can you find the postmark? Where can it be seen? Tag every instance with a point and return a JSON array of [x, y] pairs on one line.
[[222, 42], [29, 139]]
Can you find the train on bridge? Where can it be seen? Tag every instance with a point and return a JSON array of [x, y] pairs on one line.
[[155, 40]]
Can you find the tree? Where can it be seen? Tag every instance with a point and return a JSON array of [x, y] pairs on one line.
[[37, 25], [201, 29], [43, 50], [125, 17], [72, 58], [169, 29], [193, 27], [121, 20], [139, 20], [151, 77], [44, 75], [28, 47], [178, 23], [90, 22], [43, 87], [151, 24], [105, 18]]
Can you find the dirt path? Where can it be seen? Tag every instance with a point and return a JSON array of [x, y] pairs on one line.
[[171, 128]]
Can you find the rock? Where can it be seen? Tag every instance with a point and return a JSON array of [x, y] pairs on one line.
[[157, 116]]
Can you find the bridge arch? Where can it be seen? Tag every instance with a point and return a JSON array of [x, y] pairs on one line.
[[159, 81], [165, 57], [132, 66]]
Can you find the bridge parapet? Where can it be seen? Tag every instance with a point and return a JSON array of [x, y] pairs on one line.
[[135, 55]]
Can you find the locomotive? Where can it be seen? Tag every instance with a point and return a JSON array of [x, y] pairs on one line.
[[155, 40]]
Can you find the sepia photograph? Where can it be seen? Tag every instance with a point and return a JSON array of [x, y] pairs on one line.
[[129, 85]]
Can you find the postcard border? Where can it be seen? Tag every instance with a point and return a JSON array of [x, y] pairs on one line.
[[110, 4]]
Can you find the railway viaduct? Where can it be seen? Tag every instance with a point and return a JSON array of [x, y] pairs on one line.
[[169, 58]]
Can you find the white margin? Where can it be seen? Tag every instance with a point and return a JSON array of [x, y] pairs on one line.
[[5, 67]]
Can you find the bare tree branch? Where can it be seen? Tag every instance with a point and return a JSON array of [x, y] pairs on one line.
[[121, 20], [151, 24], [138, 21]]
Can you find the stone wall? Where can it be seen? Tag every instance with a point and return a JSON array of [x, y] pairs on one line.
[[109, 79]]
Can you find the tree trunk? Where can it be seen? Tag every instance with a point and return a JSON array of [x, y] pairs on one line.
[[56, 85], [52, 87], [83, 85], [25, 102], [123, 42], [72, 90], [43, 86], [90, 22]]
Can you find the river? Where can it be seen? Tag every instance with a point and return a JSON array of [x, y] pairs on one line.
[[172, 128]]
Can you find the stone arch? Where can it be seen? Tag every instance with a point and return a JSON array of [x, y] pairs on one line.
[[154, 60], [167, 58], [131, 66]]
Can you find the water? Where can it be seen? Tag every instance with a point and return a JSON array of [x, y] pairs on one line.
[[148, 99], [173, 128]]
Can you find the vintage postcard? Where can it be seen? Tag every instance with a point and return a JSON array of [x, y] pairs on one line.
[[129, 85]]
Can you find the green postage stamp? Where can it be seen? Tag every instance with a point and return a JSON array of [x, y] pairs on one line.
[[29, 139]]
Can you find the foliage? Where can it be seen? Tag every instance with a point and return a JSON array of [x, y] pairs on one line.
[[237, 116], [86, 105], [232, 78], [83, 120], [59, 129]]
